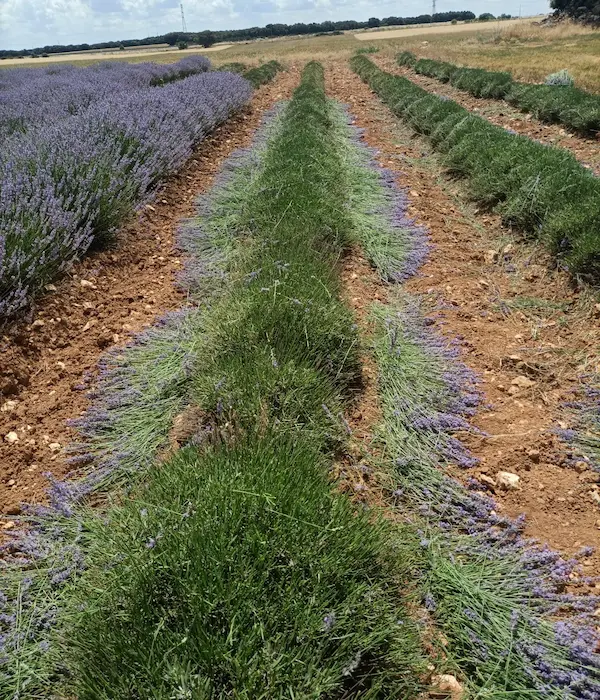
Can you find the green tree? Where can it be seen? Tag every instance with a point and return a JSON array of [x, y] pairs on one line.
[[206, 38]]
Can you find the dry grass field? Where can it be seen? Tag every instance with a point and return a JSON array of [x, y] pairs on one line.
[[527, 49]]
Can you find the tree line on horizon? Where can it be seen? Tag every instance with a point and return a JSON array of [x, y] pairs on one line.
[[207, 38]]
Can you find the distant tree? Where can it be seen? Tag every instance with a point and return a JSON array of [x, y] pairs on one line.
[[486, 17], [182, 45], [207, 38], [374, 22]]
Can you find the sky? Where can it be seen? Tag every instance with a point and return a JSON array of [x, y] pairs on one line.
[[32, 23]]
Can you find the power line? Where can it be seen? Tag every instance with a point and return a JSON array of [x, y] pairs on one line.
[[183, 24], [433, 7]]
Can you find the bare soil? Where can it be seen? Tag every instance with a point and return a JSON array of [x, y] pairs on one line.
[[525, 331], [108, 297], [500, 113]]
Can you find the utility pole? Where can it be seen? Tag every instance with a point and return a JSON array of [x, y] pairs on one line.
[[183, 24]]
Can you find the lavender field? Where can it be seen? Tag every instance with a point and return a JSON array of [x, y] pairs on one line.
[[83, 147], [327, 429]]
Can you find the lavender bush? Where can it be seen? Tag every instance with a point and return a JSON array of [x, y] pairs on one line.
[[33, 96], [66, 185]]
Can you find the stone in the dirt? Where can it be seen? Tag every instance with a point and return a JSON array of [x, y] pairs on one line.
[[491, 256], [534, 455], [581, 466], [514, 359], [507, 480], [38, 323], [11, 437], [54, 446], [487, 480], [523, 382], [446, 685], [86, 284], [8, 406]]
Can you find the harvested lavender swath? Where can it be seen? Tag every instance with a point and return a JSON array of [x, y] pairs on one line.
[[516, 586], [583, 437], [391, 240], [67, 184]]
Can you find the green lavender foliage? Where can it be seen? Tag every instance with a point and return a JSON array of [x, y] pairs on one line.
[[555, 102], [236, 570], [406, 58], [568, 105], [234, 67], [540, 189], [262, 74]]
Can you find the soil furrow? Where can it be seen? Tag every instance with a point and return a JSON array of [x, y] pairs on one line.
[[524, 330], [48, 355], [500, 113]]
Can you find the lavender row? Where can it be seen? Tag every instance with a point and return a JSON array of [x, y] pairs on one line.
[[34, 96], [68, 185], [494, 593], [141, 388]]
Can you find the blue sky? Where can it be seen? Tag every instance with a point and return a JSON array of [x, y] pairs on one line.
[[29, 23]]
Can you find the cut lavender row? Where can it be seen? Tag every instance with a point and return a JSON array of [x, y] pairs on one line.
[[493, 592], [583, 437], [487, 586], [392, 242], [67, 185]]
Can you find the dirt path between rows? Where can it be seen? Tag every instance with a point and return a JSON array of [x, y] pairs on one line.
[[524, 330], [500, 113], [106, 299]]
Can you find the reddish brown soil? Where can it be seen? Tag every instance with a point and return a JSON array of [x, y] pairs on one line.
[[361, 288], [103, 301], [586, 150], [471, 270]]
